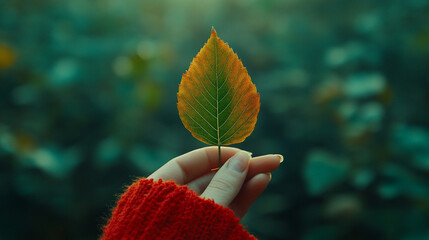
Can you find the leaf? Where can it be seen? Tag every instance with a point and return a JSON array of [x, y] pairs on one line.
[[217, 101]]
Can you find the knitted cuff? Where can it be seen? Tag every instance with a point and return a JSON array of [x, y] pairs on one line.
[[163, 210]]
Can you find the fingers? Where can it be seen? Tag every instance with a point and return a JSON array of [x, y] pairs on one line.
[[192, 165], [257, 165], [264, 164], [201, 183], [228, 181], [249, 193]]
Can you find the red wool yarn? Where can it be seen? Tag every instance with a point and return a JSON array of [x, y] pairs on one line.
[[163, 210]]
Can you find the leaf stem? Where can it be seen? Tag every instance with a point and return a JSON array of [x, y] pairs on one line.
[[220, 162]]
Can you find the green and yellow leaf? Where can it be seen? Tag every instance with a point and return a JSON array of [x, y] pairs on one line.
[[217, 101]]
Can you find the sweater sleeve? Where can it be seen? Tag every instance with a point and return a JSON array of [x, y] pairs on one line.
[[163, 210]]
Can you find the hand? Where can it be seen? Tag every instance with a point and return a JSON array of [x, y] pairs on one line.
[[236, 184]]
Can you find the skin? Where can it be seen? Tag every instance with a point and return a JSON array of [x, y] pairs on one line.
[[234, 189]]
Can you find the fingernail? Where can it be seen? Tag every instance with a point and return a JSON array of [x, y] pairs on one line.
[[280, 157], [239, 161], [269, 175], [248, 152]]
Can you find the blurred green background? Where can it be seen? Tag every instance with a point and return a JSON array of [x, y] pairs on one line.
[[88, 103]]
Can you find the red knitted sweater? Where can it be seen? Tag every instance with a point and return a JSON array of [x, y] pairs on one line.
[[163, 210]]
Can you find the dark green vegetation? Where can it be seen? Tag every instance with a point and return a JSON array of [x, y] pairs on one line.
[[88, 103]]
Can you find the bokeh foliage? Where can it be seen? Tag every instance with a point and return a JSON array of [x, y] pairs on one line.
[[88, 103]]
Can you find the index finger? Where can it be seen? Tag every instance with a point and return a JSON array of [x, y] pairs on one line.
[[192, 165]]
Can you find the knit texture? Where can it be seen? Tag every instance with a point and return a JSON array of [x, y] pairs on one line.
[[163, 210]]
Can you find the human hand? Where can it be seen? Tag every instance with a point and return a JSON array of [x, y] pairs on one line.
[[236, 184]]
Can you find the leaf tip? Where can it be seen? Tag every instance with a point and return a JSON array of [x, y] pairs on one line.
[[213, 32]]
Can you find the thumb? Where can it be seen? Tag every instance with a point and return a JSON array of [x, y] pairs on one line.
[[227, 182]]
